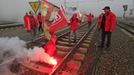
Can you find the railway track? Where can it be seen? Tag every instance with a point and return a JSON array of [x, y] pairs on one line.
[[24, 35], [10, 26], [128, 28], [76, 56], [70, 56], [40, 40]]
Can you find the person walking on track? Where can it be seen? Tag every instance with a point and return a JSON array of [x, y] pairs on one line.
[[107, 26], [39, 17], [90, 18], [74, 21]]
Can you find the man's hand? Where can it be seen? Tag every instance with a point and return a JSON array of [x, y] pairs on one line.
[[111, 30]]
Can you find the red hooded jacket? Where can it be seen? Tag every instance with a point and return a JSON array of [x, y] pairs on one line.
[[110, 21], [90, 17], [27, 24], [33, 22], [39, 17], [74, 22]]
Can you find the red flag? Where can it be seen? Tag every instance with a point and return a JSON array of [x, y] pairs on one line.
[[59, 21]]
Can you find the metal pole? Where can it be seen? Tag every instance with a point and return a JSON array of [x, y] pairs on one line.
[[65, 4], [124, 15]]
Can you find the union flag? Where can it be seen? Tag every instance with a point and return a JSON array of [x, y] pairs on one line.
[[59, 21]]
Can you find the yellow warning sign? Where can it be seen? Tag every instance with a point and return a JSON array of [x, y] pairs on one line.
[[35, 5]]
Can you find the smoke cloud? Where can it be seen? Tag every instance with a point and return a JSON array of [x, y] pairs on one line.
[[12, 48]]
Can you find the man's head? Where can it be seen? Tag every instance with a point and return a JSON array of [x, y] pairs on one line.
[[106, 9], [30, 13], [39, 13], [26, 13], [75, 15]]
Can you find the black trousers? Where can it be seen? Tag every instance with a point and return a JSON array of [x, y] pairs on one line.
[[40, 26], [89, 24], [104, 35]]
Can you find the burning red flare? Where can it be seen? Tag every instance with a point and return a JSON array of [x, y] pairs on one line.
[[52, 61]]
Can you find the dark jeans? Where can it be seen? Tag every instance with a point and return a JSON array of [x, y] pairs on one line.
[[106, 34], [33, 34], [40, 27], [89, 24]]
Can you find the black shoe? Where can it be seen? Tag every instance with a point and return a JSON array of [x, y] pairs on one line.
[[101, 46]]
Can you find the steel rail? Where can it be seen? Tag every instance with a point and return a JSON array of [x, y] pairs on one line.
[[126, 28], [9, 26], [70, 53]]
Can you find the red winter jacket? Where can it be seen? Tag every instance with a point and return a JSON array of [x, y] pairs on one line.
[[27, 24], [39, 17], [74, 22], [33, 22], [90, 17], [110, 21]]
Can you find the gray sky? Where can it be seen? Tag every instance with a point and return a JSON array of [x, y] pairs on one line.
[[13, 10]]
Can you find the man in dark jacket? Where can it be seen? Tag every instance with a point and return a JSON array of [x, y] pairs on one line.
[[107, 26], [39, 18]]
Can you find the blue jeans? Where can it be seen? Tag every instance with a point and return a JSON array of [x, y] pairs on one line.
[[33, 34]]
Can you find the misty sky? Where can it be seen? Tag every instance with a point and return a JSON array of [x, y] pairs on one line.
[[15, 9]]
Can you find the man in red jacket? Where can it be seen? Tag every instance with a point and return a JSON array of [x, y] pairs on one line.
[[90, 18], [107, 26], [74, 21], [27, 22]]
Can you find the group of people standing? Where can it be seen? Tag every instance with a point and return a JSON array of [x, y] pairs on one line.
[[32, 23], [106, 24]]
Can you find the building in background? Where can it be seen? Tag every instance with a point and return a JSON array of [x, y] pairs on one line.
[[13, 11]]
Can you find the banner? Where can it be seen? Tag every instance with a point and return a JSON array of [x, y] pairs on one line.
[[59, 21]]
